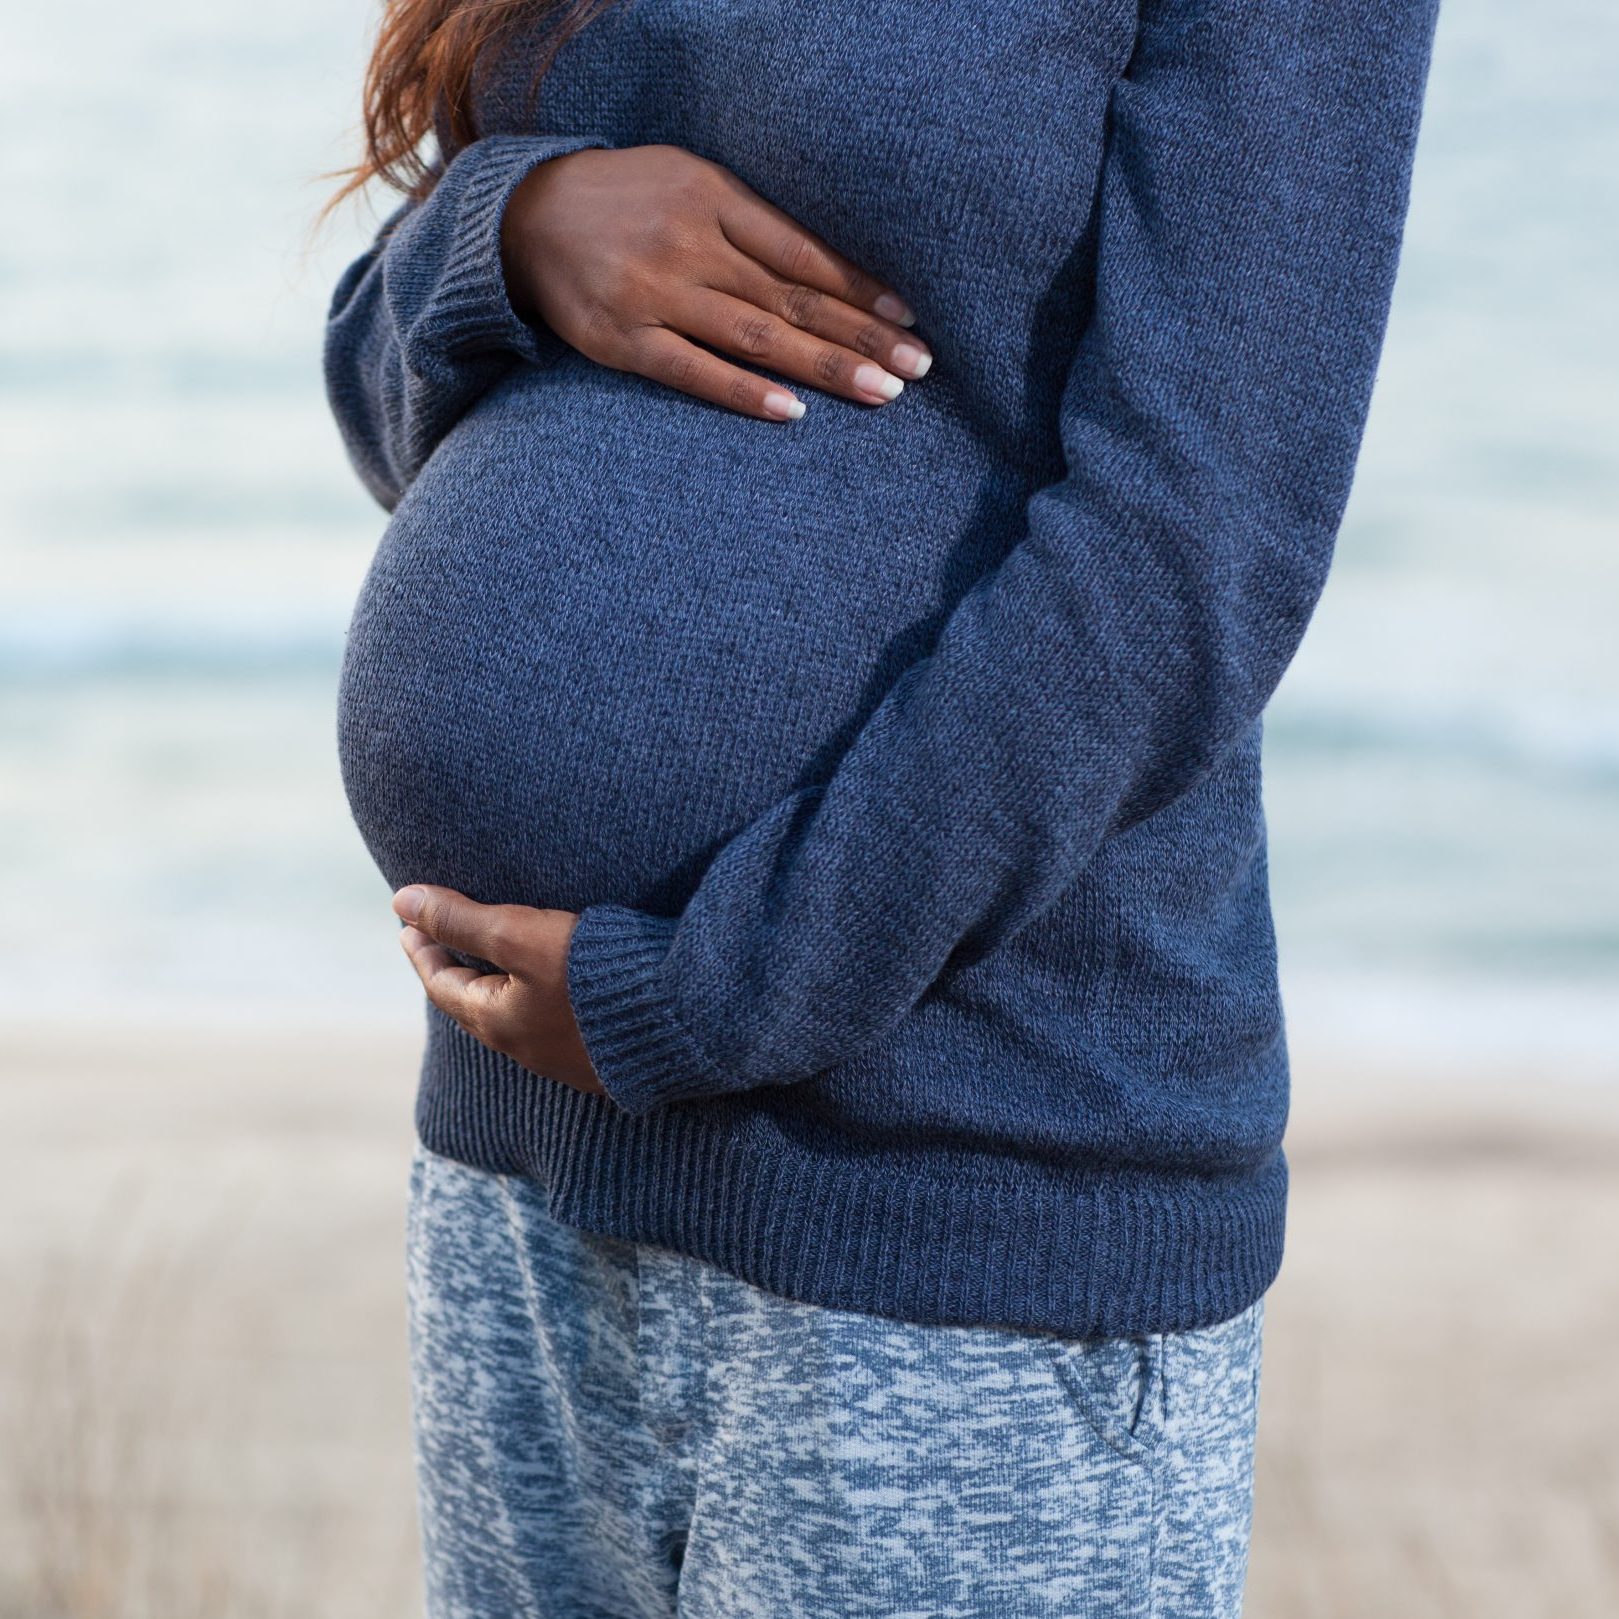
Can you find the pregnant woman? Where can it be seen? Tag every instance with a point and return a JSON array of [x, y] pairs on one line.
[[858, 473]]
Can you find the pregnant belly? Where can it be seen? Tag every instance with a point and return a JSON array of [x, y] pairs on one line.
[[608, 626]]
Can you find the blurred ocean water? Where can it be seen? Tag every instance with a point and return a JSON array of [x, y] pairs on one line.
[[180, 540]]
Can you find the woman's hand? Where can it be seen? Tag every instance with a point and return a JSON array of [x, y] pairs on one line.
[[523, 1010], [637, 256]]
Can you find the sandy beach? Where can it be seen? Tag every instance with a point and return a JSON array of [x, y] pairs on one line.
[[204, 1396]]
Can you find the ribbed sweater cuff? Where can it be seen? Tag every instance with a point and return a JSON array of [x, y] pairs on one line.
[[642, 1055], [470, 311]]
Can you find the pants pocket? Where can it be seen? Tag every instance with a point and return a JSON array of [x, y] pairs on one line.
[[1115, 1384]]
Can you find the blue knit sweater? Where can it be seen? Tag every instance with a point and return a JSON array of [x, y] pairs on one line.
[[904, 763]]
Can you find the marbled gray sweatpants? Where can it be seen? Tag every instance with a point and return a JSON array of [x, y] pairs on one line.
[[608, 1430]]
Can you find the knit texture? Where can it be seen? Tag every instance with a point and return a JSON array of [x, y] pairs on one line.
[[903, 763]]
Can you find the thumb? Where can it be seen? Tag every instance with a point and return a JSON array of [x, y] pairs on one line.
[[460, 923]]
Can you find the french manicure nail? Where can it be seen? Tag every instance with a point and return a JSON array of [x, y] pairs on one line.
[[892, 307], [872, 379], [910, 359], [783, 406]]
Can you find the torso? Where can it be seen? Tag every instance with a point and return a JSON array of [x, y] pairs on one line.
[[589, 557]]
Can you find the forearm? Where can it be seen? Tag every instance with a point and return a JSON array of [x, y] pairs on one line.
[[1250, 209], [422, 324]]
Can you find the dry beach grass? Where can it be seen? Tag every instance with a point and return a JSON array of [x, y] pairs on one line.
[[203, 1409]]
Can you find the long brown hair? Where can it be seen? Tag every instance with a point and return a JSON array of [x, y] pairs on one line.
[[421, 76]]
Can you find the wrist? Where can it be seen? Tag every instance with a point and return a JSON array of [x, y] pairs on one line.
[[514, 233], [523, 228]]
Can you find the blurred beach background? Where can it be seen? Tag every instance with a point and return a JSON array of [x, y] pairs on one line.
[[207, 1033]]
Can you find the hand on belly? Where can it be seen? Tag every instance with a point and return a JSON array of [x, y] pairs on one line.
[[522, 1011], [650, 259]]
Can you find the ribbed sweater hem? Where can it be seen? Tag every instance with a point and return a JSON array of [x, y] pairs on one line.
[[1091, 1255], [641, 1054], [469, 311]]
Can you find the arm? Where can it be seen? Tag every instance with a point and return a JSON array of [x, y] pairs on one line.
[[1251, 204], [647, 259], [421, 324]]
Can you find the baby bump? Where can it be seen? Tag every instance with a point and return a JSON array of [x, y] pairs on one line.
[[606, 628]]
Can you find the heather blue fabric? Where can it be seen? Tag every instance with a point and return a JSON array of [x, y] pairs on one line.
[[904, 763], [613, 1429]]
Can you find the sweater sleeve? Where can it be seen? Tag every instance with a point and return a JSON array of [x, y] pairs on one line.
[[1250, 207], [420, 325]]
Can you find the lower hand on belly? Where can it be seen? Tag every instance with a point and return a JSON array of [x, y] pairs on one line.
[[523, 1010]]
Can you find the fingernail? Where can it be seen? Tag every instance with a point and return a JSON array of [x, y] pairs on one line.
[[910, 359], [872, 379], [408, 903], [783, 406], [892, 307]]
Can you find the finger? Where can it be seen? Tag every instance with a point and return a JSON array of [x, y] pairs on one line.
[[751, 333], [490, 932], [667, 357], [826, 316], [779, 242], [462, 993]]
